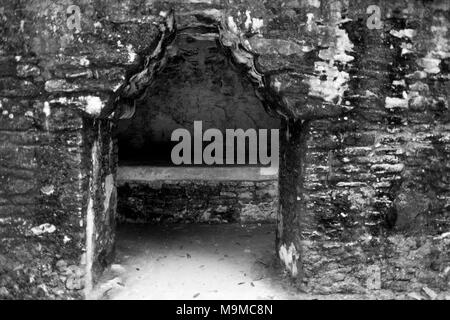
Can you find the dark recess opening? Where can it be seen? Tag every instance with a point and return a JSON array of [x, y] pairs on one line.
[[199, 83], [194, 216]]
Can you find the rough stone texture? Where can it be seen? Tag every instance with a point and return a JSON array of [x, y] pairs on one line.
[[365, 164], [48, 89], [101, 154], [43, 182], [198, 202], [372, 203]]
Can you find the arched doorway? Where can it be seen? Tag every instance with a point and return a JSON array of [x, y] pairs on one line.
[[197, 74]]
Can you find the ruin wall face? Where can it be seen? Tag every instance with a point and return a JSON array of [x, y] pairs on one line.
[[364, 177]]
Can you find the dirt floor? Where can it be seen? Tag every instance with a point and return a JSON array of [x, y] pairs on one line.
[[205, 262]]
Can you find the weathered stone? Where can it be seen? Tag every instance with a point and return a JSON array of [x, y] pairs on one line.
[[77, 85], [18, 157], [194, 201], [4, 293], [61, 86], [7, 67], [13, 185], [74, 283], [276, 46], [365, 148], [374, 278], [26, 70], [10, 87], [245, 196], [409, 207]]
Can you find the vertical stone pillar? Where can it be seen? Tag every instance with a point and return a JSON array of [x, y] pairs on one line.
[[291, 215]]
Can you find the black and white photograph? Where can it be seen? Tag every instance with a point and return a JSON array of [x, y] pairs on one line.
[[224, 155]]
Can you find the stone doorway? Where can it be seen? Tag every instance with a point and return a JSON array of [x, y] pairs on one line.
[[196, 78]]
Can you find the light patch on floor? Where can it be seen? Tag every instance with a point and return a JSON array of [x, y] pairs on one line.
[[194, 262]]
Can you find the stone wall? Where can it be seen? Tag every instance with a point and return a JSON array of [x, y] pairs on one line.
[[364, 193], [377, 201], [51, 83], [193, 201], [371, 209], [43, 184], [101, 158]]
